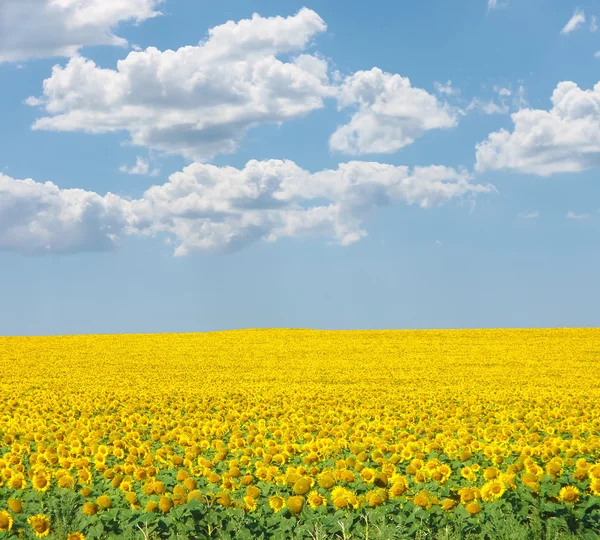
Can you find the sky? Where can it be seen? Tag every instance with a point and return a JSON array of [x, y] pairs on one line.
[[186, 166]]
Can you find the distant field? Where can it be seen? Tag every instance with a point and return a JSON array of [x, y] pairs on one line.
[[301, 434]]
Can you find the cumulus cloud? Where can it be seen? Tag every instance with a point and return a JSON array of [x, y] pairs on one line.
[[391, 113], [223, 209], [141, 167], [565, 138], [575, 22], [38, 218], [53, 28], [199, 100]]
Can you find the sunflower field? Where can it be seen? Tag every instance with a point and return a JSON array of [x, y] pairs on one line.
[[296, 433]]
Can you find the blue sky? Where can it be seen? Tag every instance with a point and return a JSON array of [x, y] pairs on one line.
[[312, 165]]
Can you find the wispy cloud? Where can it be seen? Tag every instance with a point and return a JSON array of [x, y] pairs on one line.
[[593, 24], [575, 22], [446, 89], [573, 215], [529, 215]]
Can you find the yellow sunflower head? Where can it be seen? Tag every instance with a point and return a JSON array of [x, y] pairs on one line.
[[6, 521], [276, 503], [569, 494], [40, 524]]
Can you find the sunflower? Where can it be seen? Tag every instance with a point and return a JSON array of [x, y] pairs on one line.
[[253, 492], [326, 480], [468, 495], [492, 490], [595, 487], [165, 504], [224, 499], [90, 508], [315, 499], [76, 536], [295, 504], [276, 503], [569, 494], [15, 505], [250, 503], [448, 504], [17, 481], [397, 490], [473, 508], [40, 524], [6, 521], [421, 499], [41, 482]]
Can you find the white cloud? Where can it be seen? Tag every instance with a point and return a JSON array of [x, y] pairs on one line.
[[529, 215], [141, 167], [200, 100], [446, 89], [488, 107], [597, 54], [391, 113], [593, 24], [575, 22], [209, 208], [499, 104], [51, 28], [565, 138], [520, 101], [501, 91], [572, 215], [40, 218], [492, 4]]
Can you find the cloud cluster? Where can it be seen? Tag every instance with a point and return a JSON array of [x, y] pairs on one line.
[[565, 138], [391, 113], [199, 100], [38, 218], [50, 28], [223, 209]]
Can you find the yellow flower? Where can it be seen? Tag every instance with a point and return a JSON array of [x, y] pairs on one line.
[[569, 494], [76, 536], [326, 480], [15, 505], [165, 504], [492, 490], [6, 521], [276, 503], [250, 503], [473, 508], [295, 504], [315, 499], [41, 482], [104, 502], [595, 487], [302, 486], [448, 504], [90, 509], [253, 492], [40, 524]]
